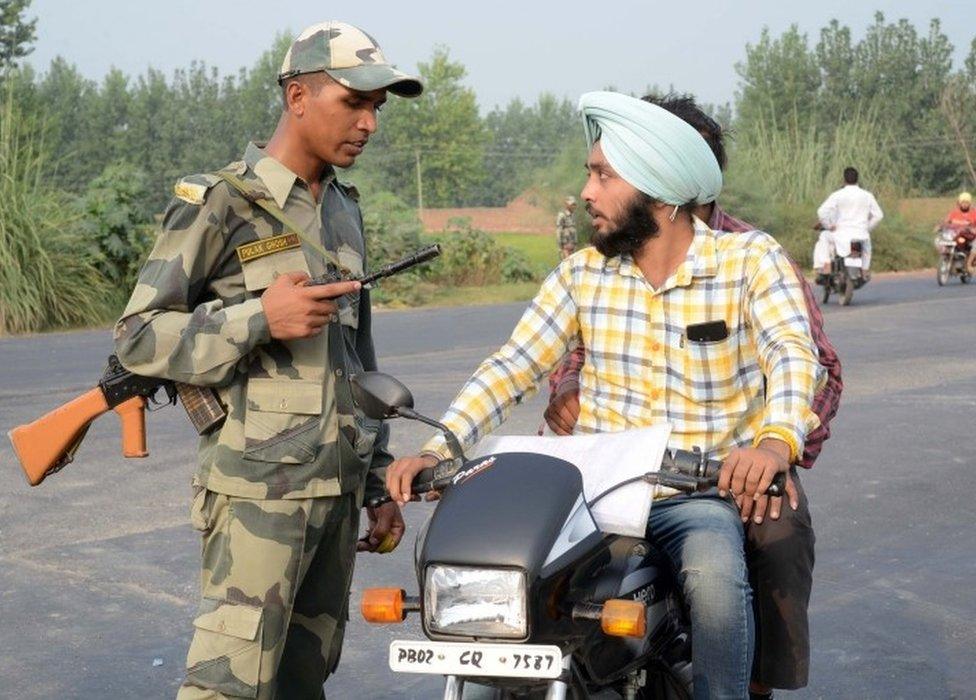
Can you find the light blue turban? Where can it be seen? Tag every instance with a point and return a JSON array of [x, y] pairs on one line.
[[655, 151]]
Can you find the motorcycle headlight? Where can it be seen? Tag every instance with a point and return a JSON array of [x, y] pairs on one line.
[[471, 602]]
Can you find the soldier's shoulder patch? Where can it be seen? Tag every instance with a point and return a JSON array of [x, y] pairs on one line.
[[193, 189], [349, 189]]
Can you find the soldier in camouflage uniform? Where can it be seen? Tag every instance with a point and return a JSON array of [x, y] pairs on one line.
[[566, 229], [222, 303]]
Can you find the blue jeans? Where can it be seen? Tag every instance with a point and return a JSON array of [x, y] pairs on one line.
[[703, 537]]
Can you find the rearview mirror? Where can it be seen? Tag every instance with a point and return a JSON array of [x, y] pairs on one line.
[[380, 395]]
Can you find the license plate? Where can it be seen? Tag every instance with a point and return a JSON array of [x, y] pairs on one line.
[[463, 659], [853, 262]]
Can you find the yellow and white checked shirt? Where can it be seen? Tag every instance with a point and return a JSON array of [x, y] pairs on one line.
[[640, 367]]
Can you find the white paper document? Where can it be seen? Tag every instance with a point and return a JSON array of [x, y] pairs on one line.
[[604, 459]]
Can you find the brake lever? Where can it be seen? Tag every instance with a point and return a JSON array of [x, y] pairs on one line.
[[378, 501], [440, 477]]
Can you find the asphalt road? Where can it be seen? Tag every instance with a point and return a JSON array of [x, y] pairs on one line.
[[98, 565]]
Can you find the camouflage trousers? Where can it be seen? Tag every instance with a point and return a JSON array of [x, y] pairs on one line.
[[275, 585]]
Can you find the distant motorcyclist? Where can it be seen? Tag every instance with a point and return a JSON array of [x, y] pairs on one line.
[[962, 221], [963, 216], [850, 214]]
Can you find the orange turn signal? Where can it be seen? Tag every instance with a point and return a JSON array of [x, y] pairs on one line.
[[623, 618], [383, 605]]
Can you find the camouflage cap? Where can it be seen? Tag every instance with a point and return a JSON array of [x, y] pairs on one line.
[[349, 56]]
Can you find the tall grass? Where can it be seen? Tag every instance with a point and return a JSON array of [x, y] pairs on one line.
[[803, 165], [779, 173], [48, 276]]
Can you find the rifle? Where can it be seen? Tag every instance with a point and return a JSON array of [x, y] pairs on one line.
[[335, 275], [49, 443]]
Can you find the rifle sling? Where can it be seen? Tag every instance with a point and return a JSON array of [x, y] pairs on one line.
[[270, 206]]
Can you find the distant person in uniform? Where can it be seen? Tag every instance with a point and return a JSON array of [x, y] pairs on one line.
[[566, 229], [850, 214]]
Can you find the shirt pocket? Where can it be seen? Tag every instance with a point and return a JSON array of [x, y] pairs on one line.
[[711, 369], [282, 420], [259, 273], [225, 654]]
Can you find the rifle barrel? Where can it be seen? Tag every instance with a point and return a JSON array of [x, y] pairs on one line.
[[421, 256]]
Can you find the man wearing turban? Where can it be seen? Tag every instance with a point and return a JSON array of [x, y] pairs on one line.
[[707, 333], [779, 541]]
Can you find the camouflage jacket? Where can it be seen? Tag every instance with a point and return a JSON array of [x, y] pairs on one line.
[[565, 229], [195, 316]]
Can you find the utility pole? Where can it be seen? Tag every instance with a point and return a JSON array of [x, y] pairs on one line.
[[420, 184]]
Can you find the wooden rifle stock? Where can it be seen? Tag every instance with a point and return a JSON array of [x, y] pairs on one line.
[[48, 443]]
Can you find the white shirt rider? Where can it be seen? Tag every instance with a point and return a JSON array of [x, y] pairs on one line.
[[851, 213]]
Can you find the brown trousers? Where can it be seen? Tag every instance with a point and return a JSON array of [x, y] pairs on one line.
[[780, 557]]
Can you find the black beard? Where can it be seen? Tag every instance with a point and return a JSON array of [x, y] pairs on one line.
[[637, 227]]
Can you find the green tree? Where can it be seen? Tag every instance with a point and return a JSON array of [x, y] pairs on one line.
[[893, 72], [905, 76], [835, 58], [522, 141], [780, 80], [16, 33], [66, 102], [257, 104], [113, 222], [442, 129]]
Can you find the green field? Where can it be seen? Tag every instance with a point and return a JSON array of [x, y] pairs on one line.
[[540, 249]]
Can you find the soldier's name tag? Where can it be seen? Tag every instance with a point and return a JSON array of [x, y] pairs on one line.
[[267, 246]]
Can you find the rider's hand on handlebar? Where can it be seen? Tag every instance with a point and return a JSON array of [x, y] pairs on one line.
[[748, 471], [400, 475], [759, 509]]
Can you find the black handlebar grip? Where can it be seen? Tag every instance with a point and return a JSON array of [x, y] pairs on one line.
[[420, 484], [778, 487], [423, 476]]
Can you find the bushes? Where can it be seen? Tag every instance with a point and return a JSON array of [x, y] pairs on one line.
[[49, 276], [392, 231], [473, 258], [112, 223]]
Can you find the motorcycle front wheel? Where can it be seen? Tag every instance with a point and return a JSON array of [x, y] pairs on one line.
[[942, 271]]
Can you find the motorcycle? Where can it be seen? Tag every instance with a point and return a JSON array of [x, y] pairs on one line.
[[846, 274], [521, 594], [955, 248]]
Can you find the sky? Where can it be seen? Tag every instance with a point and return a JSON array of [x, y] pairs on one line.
[[510, 48]]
